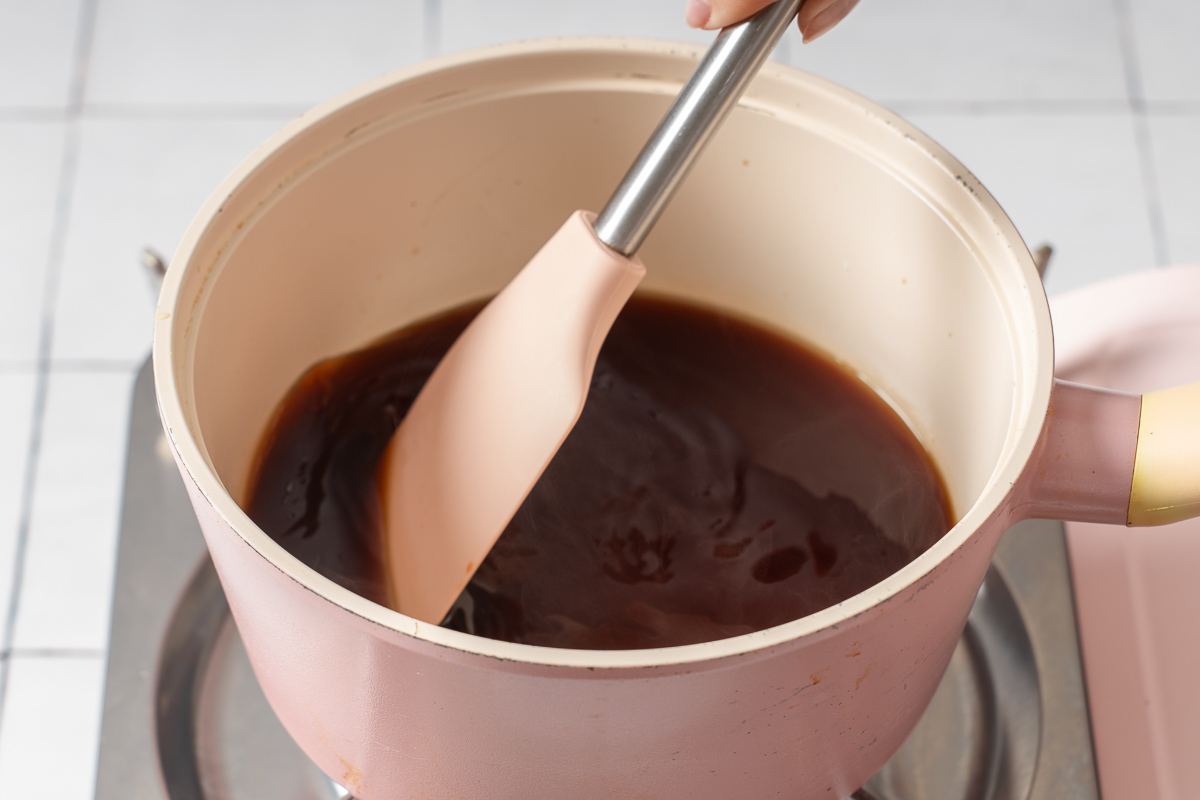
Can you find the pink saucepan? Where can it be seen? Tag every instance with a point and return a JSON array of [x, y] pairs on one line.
[[814, 212]]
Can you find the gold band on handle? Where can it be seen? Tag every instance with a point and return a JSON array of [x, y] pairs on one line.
[[1166, 467]]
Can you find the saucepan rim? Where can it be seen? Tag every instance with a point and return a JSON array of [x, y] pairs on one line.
[[1031, 396]]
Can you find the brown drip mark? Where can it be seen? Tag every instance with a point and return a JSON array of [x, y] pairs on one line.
[[866, 672], [352, 777]]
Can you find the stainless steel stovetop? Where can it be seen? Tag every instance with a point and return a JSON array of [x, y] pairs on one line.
[[184, 718]]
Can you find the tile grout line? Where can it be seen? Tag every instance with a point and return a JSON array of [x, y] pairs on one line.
[[157, 111], [1141, 130], [32, 114], [98, 366], [999, 107], [74, 366], [66, 181], [53, 652]]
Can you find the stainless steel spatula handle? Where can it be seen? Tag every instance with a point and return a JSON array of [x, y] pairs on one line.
[[698, 111]]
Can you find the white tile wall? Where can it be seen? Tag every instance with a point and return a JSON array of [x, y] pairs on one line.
[[1166, 34], [50, 726], [138, 184], [1175, 141], [475, 23], [70, 549], [30, 164], [37, 49], [950, 51], [118, 117], [16, 416], [1073, 180], [267, 52]]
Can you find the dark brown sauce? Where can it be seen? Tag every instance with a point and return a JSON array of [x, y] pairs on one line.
[[721, 480]]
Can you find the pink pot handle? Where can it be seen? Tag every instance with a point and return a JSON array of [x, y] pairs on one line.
[[1115, 458]]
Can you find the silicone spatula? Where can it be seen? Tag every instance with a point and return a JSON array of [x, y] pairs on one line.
[[502, 400]]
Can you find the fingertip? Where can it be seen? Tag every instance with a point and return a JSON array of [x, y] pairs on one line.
[[812, 34], [697, 14], [822, 17]]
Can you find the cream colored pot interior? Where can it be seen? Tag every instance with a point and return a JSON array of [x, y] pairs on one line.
[[812, 212]]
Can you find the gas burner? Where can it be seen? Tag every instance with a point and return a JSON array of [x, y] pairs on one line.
[[185, 719]]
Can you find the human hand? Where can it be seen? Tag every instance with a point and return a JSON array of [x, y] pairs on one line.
[[815, 17]]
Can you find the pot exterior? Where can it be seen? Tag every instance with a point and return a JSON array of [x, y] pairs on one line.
[[388, 715], [350, 221]]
